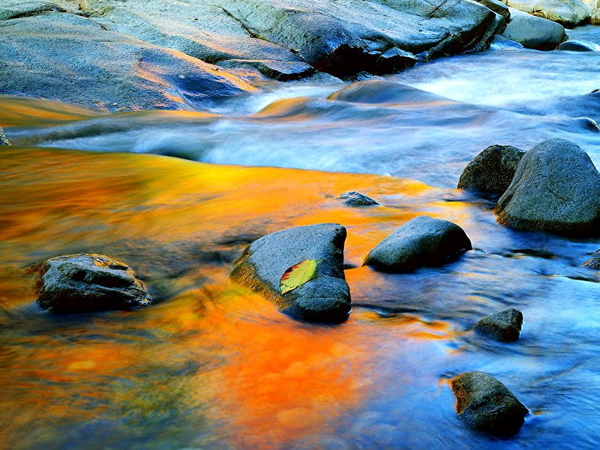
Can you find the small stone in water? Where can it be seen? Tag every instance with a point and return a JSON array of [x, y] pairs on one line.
[[356, 199], [503, 326]]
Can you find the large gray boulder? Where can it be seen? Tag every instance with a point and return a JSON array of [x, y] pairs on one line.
[[67, 57], [534, 32], [89, 282], [3, 140], [422, 241], [569, 13], [484, 403], [323, 298], [492, 170], [556, 189], [503, 326]]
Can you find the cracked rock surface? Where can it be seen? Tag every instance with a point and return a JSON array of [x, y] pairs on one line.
[[556, 189], [89, 282]]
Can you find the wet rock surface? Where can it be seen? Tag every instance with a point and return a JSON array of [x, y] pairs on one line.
[[503, 326], [423, 241], [484, 403], [492, 170], [593, 263], [325, 297], [89, 282], [556, 189]]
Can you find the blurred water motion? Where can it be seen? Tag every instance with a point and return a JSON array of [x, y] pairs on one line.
[[212, 365], [216, 366]]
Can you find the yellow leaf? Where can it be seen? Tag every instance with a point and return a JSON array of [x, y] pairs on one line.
[[297, 275]]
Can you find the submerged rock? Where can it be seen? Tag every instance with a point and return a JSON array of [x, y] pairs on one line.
[[569, 13], [3, 140], [423, 241], [534, 32], [579, 46], [325, 297], [356, 199], [89, 282], [492, 170], [484, 403], [504, 326], [556, 189]]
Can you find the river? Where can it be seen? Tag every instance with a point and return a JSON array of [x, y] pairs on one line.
[[212, 365]]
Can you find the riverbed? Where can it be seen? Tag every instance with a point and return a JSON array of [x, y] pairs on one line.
[[179, 194]]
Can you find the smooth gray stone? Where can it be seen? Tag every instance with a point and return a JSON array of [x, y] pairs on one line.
[[556, 189], [534, 32], [326, 297], [503, 326]]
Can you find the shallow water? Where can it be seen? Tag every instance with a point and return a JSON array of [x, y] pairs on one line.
[[213, 365]]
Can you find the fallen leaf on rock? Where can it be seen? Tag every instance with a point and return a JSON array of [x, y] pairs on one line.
[[297, 275]]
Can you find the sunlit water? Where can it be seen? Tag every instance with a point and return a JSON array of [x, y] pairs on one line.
[[212, 365]]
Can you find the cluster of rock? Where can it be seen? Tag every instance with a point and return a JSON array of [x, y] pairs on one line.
[[554, 187], [172, 54], [569, 13]]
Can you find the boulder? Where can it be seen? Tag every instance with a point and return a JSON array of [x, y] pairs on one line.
[[89, 282], [74, 59], [503, 326], [534, 32], [484, 403], [492, 170], [356, 199], [325, 297], [3, 140], [423, 241], [569, 13], [556, 189], [579, 46]]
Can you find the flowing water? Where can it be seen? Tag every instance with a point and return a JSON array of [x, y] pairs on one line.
[[212, 365]]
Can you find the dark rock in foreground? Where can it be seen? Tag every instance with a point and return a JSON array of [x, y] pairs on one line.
[[423, 241], [484, 403], [89, 282], [492, 170], [503, 326], [534, 32], [325, 297], [3, 140], [556, 189], [356, 199]]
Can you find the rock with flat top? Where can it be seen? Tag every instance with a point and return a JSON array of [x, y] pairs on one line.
[[569, 13], [89, 282], [325, 297]]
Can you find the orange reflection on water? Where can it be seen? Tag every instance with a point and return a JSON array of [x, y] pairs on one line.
[[267, 379]]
